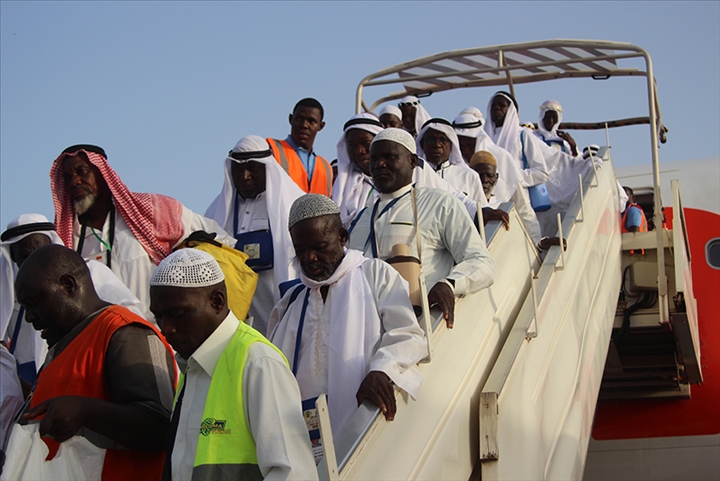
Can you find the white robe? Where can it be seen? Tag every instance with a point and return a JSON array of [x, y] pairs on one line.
[[366, 324], [451, 245], [508, 187]]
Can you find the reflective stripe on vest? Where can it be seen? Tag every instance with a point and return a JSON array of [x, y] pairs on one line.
[[226, 448], [321, 179]]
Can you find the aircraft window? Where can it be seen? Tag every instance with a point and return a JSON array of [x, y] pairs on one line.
[[712, 253]]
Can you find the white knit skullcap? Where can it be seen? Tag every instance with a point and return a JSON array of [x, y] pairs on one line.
[[472, 111], [551, 105], [310, 206], [187, 268], [391, 109], [398, 136]]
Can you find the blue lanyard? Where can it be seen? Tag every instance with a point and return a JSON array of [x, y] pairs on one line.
[[371, 236], [298, 337], [16, 331]]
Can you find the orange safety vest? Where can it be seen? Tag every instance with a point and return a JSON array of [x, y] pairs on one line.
[[322, 176], [643, 224], [79, 370]]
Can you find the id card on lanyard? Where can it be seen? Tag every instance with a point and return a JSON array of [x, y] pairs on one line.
[[258, 245], [310, 413]]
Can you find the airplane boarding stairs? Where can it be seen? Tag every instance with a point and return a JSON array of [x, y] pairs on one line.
[[510, 392]]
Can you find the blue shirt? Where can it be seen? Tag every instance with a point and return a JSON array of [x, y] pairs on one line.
[[634, 217], [307, 158]]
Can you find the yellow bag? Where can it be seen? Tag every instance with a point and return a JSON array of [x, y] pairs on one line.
[[240, 280]]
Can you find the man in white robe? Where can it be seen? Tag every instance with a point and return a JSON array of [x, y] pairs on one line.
[[23, 235], [130, 232], [349, 329], [391, 117], [438, 143], [353, 185], [454, 259], [253, 205], [473, 138], [548, 122], [503, 128], [414, 114]]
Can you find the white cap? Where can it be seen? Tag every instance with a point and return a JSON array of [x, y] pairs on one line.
[[187, 268], [399, 136], [310, 206]]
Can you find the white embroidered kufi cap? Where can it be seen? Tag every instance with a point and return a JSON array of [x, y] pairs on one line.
[[391, 109], [310, 206], [551, 105], [187, 268], [399, 136]]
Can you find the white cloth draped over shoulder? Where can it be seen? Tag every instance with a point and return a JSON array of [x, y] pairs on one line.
[[365, 324], [454, 170], [509, 171], [30, 346], [352, 188], [508, 136], [280, 192]]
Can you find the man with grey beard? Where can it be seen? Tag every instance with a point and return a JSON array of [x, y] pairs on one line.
[[98, 216]]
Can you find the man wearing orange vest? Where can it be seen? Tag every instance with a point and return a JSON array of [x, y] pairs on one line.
[[109, 375], [633, 219], [295, 154]]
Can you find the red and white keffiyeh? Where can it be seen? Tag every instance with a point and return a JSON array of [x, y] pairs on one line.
[[154, 219]]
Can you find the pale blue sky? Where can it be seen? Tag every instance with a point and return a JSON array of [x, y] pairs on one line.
[[167, 88]]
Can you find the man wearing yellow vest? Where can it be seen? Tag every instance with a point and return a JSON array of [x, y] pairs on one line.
[[295, 154], [237, 412]]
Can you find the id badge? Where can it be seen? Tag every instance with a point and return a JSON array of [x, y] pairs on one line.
[[312, 421]]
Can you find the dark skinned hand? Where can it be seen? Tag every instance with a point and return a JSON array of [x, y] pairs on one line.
[[378, 388], [443, 296], [568, 138], [496, 214], [64, 416], [547, 242]]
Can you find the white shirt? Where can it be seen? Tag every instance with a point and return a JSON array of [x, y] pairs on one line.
[[269, 388], [463, 179], [252, 216], [130, 261], [451, 245]]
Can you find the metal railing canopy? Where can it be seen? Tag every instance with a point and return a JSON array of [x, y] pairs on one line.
[[527, 62], [507, 64]]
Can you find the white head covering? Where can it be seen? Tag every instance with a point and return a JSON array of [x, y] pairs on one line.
[[398, 136], [442, 125], [421, 116], [187, 268], [280, 192], [508, 169], [391, 109], [552, 133], [469, 125], [474, 111], [352, 186], [36, 224], [310, 206], [507, 136]]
